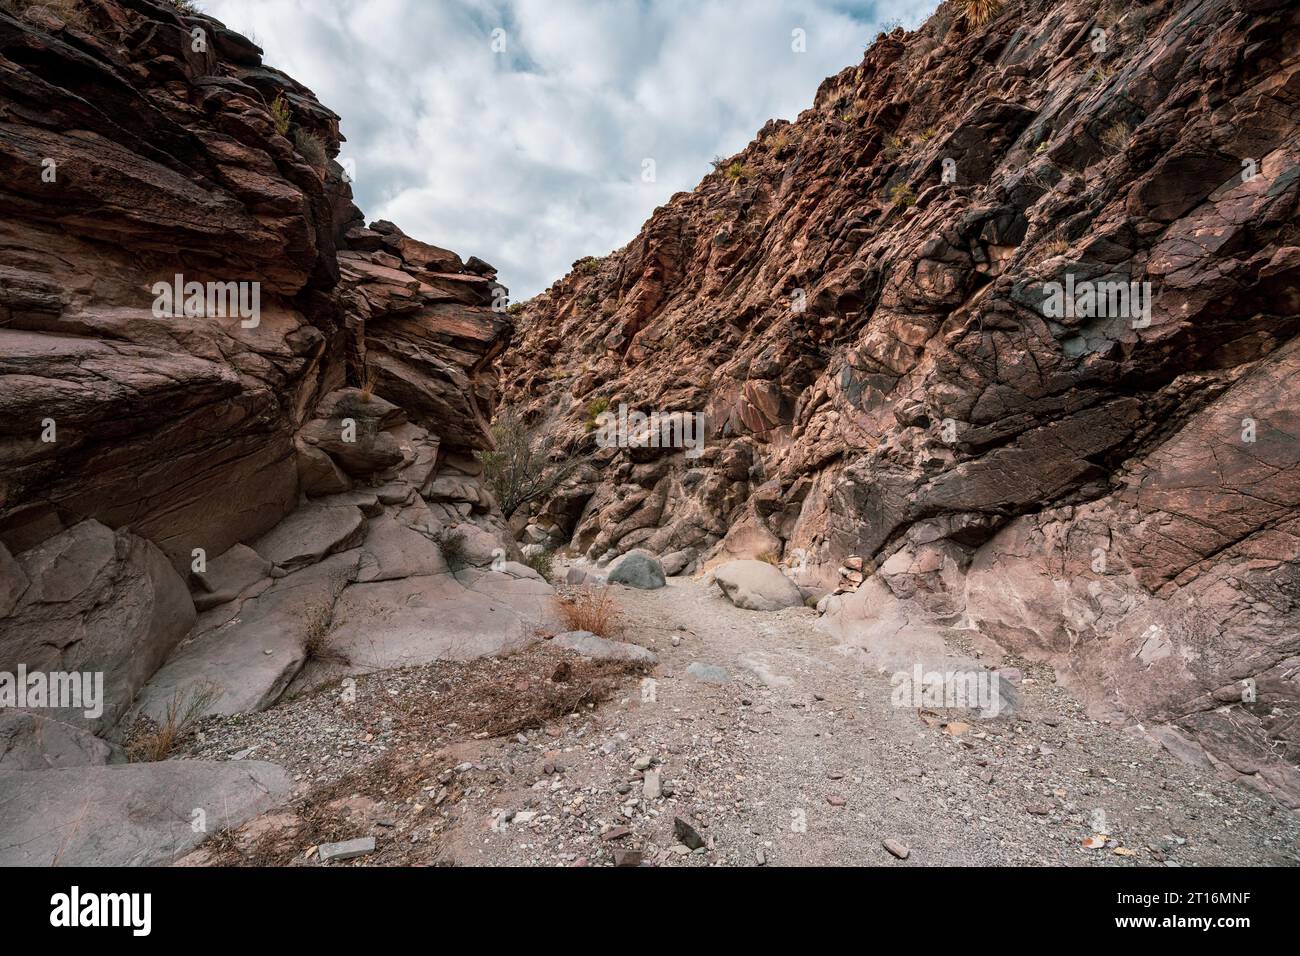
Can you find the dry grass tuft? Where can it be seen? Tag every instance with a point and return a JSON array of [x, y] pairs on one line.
[[1115, 137], [320, 620], [151, 741], [69, 11], [591, 609], [980, 12]]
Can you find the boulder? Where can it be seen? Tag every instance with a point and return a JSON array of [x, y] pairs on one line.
[[675, 562], [311, 533], [603, 649], [757, 586], [97, 601], [32, 742], [138, 814], [359, 449], [637, 570], [227, 576], [244, 663], [393, 549]]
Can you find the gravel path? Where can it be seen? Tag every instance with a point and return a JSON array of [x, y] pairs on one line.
[[799, 758]]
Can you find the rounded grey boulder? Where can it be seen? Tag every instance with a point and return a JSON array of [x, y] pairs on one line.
[[638, 570], [757, 586]]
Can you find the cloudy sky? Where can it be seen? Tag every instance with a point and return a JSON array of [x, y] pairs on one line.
[[518, 130]]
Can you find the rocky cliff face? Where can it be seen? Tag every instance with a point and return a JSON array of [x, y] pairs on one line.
[[225, 403], [998, 340]]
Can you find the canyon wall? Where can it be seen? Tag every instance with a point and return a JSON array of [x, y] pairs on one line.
[[234, 419], [868, 305]]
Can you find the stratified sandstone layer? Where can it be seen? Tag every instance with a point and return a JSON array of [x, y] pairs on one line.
[[202, 502], [857, 302]]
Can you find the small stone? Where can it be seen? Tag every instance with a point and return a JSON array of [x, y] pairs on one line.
[[627, 857], [687, 833], [346, 850], [650, 786], [615, 833], [835, 800], [896, 848], [760, 857]]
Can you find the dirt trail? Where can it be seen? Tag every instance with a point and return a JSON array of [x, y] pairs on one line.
[[799, 758]]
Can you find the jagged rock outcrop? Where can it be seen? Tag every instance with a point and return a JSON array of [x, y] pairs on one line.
[[237, 424], [868, 306]]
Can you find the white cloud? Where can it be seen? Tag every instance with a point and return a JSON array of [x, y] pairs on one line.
[[532, 158]]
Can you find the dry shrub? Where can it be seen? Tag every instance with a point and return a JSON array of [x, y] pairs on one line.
[[151, 740], [591, 609], [454, 549], [1116, 136], [980, 12], [1058, 246], [69, 11], [310, 147], [319, 619]]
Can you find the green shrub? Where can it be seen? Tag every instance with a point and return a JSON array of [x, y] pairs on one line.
[[543, 562], [738, 170], [280, 114], [901, 195], [519, 469]]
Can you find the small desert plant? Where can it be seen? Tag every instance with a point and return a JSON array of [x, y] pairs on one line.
[[902, 195], [595, 408], [737, 170], [586, 266], [155, 740], [186, 7], [319, 619], [1057, 246], [309, 147], [519, 469], [980, 12], [369, 378], [69, 11], [778, 141], [854, 112], [1116, 136], [591, 609], [280, 114], [515, 308], [894, 146], [543, 562], [719, 163], [452, 546]]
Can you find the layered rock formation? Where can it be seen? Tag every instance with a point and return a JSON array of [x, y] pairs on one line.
[[234, 420], [868, 306]]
